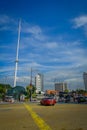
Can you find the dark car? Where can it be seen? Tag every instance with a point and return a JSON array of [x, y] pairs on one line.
[[47, 101], [86, 98], [81, 99], [67, 99]]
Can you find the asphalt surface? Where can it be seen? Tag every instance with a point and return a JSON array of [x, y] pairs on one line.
[[33, 116]]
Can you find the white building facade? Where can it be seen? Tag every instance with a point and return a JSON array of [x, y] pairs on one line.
[[61, 87], [39, 83]]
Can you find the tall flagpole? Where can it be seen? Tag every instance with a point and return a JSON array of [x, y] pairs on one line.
[[16, 62]]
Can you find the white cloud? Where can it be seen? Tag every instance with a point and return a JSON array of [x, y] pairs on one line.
[[33, 29], [51, 45], [55, 52], [56, 59], [5, 19], [80, 21], [62, 72], [7, 23], [71, 76], [4, 28], [7, 57]]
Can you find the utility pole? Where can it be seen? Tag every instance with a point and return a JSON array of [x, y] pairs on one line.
[[31, 85], [31, 77], [16, 62]]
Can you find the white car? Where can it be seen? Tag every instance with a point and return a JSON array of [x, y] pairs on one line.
[[9, 99]]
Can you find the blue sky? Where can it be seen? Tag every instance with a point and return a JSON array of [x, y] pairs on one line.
[[53, 41]]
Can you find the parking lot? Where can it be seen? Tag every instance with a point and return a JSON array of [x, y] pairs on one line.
[[33, 116]]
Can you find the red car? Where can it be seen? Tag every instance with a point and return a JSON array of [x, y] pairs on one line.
[[47, 101]]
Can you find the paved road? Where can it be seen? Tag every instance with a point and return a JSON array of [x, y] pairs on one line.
[[32, 116]]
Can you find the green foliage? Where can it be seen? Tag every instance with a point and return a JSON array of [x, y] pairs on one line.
[[34, 95], [66, 90], [81, 91], [30, 90], [3, 89]]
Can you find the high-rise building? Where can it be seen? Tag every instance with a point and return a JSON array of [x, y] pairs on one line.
[[85, 80], [61, 87], [39, 82]]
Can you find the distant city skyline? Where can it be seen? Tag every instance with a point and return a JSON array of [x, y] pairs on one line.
[[53, 40]]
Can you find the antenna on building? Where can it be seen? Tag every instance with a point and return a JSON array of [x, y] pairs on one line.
[[16, 62]]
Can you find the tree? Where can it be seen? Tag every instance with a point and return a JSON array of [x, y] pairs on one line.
[[80, 91], [30, 89], [3, 89], [66, 90]]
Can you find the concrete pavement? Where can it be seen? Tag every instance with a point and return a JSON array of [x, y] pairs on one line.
[[58, 117]]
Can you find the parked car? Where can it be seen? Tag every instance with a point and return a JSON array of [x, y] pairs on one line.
[[67, 99], [81, 99], [9, 99], [86, 98], [61, 99], [48, 101]]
